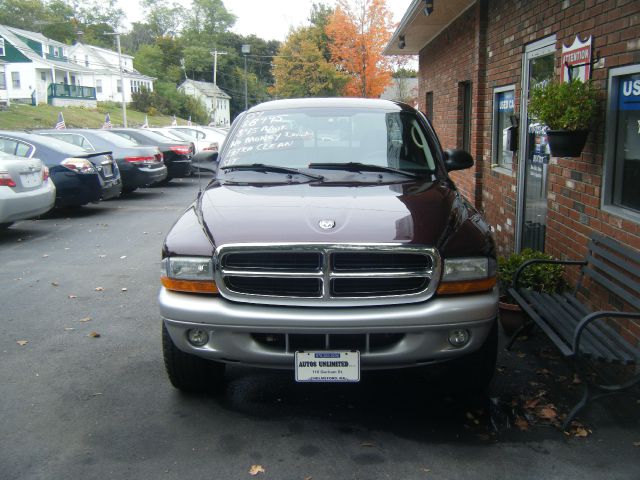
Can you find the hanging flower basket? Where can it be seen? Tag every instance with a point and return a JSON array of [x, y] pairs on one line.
[[567, 143]]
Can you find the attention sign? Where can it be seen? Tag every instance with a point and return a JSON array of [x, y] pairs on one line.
[[576, 60]]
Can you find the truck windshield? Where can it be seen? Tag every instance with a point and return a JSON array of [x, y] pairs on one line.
[[299, 138]]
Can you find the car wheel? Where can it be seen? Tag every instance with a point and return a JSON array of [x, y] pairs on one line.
[[190, 373]]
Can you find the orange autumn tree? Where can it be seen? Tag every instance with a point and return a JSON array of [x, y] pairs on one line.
[[358, 31]]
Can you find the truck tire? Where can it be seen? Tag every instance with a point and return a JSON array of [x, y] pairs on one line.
[[189, 373]]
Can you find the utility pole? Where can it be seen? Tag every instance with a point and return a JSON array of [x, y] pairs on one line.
[[124, 103], [215, 54], [246, 49]]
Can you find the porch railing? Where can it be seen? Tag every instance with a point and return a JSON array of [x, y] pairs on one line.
[[61, 90]]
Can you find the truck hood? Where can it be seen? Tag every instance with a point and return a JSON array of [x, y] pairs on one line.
[[410, 212]]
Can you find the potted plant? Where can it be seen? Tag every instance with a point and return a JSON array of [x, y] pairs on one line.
[[568, 110], [541, 277]]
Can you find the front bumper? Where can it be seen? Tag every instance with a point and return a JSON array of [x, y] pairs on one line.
[[235, 329]]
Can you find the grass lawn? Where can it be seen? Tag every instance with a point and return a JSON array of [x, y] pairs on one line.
[[24, 117]]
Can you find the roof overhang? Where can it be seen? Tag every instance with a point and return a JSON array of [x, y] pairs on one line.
[[418, 30]]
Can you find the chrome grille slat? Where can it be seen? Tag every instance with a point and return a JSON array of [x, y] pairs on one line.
[[375, 274]]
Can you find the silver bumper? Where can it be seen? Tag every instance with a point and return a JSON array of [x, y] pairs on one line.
[[424, 326]]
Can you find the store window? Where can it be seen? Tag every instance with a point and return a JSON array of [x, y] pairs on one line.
[[622, 156], [503, 134]]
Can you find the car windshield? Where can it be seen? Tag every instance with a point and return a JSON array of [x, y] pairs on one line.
[[115, 139], [317, 137]]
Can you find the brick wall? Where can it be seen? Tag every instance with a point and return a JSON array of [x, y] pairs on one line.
[[485, 46]]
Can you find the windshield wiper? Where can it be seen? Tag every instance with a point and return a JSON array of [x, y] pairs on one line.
[[360, 167], [261, 167]]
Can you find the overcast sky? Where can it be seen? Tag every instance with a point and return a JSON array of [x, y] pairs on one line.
[[267, 19]]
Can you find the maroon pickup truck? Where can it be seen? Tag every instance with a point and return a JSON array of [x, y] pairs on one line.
[[331, 242]]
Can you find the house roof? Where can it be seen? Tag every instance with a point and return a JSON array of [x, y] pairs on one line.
[[207, 89], [418, 30], [108, 67], [38, 37]]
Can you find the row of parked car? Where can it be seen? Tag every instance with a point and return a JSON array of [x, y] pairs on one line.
[[43, 169]]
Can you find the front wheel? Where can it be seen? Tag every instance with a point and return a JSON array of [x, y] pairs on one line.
[[190, 373]]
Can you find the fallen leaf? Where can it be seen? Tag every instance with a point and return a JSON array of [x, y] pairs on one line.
[[548, 413], [522, 355], [99, 289], [543, 371], [94, 335], [521, 423], [55, 284], [22, 343], [582, 432], [255, 470], [531, 403], [576, 379], [85, 319]]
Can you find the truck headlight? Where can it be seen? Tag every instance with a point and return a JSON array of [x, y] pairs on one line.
[[467, 275], [188, 274]]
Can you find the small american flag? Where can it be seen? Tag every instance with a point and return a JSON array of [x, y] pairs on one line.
[[146, 122], [107, 122], [60, 123], [174, 123], [189, 121]]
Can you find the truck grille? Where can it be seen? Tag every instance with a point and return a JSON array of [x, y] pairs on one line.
[[327, 275]]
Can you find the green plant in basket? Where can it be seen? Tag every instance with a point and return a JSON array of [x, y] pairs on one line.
[[541, 277], [564, 106]]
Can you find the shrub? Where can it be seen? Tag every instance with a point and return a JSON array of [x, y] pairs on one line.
[[541, 277], [564, 106]]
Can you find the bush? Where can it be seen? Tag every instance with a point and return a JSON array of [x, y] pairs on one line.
[[540, 277], [564, 106]]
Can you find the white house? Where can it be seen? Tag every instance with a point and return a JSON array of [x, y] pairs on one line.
[[36, 69], [104, 64], [215, 100]]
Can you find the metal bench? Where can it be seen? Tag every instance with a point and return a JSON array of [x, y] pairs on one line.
[[591, 339]]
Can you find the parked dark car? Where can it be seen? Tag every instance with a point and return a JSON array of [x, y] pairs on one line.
[[331, 242], [176, 155], [139, 166], [80, 176]]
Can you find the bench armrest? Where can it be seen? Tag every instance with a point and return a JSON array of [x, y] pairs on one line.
[[542, 260], [587, 319]]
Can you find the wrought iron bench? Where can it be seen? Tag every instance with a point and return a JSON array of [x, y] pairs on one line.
[[596, 342]]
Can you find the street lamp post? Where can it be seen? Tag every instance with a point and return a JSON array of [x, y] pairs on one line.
[[246, 49], [124, 103]]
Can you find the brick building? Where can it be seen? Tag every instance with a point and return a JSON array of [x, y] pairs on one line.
[[478, 61]]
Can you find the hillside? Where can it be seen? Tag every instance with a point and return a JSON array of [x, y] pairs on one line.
[[25, 117]]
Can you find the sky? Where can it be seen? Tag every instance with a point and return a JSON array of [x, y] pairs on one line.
[[267, 19]]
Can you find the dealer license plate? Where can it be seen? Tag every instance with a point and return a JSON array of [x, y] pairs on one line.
[[30, 179], [327, 366]]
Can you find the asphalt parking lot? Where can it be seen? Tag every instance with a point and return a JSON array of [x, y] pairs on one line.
[[84, 394]]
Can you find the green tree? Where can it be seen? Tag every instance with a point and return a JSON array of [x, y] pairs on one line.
[[26, 14], [301, 70], [162, 18]]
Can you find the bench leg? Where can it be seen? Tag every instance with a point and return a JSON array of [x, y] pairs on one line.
[[525, 328], [579, 406]]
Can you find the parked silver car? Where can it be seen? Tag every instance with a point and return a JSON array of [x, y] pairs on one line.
[[26, 190]]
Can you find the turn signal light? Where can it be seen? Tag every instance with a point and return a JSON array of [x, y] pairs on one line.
[[190, 286], [466, 286]]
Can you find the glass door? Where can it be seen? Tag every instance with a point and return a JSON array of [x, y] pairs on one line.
[[538, 69]]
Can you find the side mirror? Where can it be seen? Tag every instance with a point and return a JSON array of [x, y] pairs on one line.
[[457, 160]]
